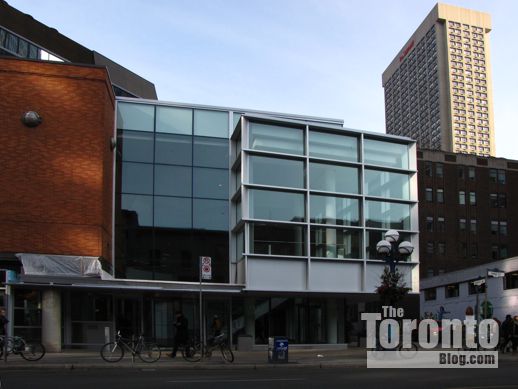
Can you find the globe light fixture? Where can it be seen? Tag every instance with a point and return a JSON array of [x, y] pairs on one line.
[[391, 252]]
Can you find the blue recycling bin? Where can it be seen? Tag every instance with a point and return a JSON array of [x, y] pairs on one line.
[[278, 349]]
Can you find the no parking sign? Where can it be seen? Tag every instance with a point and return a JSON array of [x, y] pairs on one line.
[[206, 268]]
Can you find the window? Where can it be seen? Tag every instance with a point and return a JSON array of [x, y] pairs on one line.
[[274, 205], [138, 208], [333, 146], [173, 212], [503, 228], [493, 200], [210, 214], [274, 239], [136, 146], [334, 210], [210, 152], [503, 252], [452, 290], [493, 175], [429, 247], [471, 173], [441, 248], [387, 215], [211, 123], [174, 120], [387, 184], [472, 198], [429, 195], [462, 224], [501, 176], [428, 169], [173, 180], [173, 149], [474, 251], [473, 226], [278, 139], [138, 117], [494, 252], [460, 172], [333, 178], [440, 224], [385, 154], [430, 294], [429, 223], [439, 171], [502, 200], [137, 178], [511, 280], [276, 172], [462, 197], [494, 227], [463, 249], [335, 243], [440, 196], [210, 183]]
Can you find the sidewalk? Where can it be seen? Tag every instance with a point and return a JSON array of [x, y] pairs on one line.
[[91, 359], [298, 358]]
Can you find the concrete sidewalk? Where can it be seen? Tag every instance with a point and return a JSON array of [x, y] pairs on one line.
[[91, 359]]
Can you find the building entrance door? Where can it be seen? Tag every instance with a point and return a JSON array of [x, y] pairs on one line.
[[128, 316]]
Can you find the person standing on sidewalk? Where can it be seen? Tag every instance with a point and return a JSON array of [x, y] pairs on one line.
[[182, 332], [3, 322]]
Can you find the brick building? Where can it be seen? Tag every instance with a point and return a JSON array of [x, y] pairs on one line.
[[467, 214], [57, 177]]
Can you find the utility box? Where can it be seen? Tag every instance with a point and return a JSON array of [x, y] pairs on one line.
[[278, 349]]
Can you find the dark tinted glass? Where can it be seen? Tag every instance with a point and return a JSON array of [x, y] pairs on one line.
[[210, 183], [210, 214], [173, 180], [274, 239], [137, 178], [173, 212], [137, 210], [136, 146], [173, 149], [210, 152]]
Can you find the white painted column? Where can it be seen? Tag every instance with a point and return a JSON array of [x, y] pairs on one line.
[[332, 321], [51, 320]]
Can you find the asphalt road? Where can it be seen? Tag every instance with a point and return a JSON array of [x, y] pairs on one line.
[[505, 377]]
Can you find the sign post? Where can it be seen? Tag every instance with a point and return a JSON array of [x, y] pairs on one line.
[[205, 273]]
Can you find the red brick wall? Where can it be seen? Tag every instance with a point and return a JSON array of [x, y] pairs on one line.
[[56, 179]]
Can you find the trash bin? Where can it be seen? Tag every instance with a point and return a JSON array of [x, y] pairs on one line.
[[278, 349]]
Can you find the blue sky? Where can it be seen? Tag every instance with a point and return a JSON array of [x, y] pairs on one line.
[[312, 57]]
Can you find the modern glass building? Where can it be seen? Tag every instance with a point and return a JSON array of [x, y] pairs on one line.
[[289, 208]]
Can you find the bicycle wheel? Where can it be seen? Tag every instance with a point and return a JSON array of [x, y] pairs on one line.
[[149, 352], [112, 352], [32, 351], [10, 344], [408, 353], [192, 352], [227, 353]]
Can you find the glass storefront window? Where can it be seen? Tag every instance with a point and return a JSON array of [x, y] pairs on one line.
[[275, 239], [384, 153], [335, 243], [334, 210], [333, 178], [136, 146], [173, 212], [276, 172], [273, 205], [173, 180], [174, 120], [137, 210], [211, 123], [210, 183], [138, 117], [387, 184], [277, 139], [387, 215], [211, 152], [210, 214], [137, 178], [333, 146], [235, 119], [173, 149]]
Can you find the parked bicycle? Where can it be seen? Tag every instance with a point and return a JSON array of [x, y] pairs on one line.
[[194, 351], [30, 351], [114, 351]]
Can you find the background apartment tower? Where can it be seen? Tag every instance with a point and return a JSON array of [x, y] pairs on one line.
[[438, 87]]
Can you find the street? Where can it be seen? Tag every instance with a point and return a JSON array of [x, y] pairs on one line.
[[279, 377]]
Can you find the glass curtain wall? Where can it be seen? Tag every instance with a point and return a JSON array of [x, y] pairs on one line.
[[172, 192]]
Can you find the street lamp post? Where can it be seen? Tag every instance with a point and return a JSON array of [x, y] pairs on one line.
[[391, 252]]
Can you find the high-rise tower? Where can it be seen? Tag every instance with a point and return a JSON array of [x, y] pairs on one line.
[[438, 88]]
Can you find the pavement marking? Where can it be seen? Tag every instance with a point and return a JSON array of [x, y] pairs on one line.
[[484, 387], [230, 380]]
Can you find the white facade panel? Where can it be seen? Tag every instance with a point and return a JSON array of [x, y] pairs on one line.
[[336, 276], [276, 275]]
